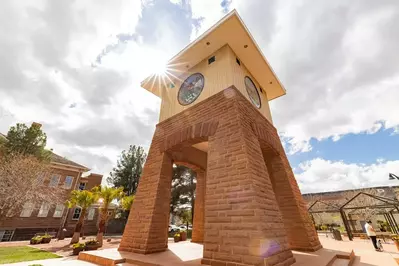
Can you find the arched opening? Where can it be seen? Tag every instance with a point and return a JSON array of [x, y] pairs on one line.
[[190, 170], [182, 200]]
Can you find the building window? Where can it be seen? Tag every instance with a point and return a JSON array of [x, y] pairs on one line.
[[43, 210], [110, 214], [211, 60], [90, 215], [6, 235], [76, 213], [68, 182], [27, 210], [238, 61], [59, 210], [40, 179], [55, 179], [82, 186]]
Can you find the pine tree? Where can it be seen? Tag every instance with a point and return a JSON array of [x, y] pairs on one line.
[[128, 170], [23, 140]]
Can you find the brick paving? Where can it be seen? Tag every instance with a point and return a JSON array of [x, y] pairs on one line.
[[364, 249]]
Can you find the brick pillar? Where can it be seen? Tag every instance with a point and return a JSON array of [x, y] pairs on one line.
[[297, 222], [199, 218], [243, 224], [147, 228]]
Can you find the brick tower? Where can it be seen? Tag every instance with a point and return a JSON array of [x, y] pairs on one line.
[[215, 119]]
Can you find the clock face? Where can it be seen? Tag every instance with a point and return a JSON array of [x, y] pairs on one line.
[[252, 92], [190, 89]]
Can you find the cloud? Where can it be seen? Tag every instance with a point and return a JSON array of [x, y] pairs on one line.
[[47, 51], [319, 175], [76, 68], [116, 132]]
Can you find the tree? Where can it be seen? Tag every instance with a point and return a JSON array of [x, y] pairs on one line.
[[21, 182], [25, 140], [127, 202], [82, 199], [106, 196], [186, 216], [128, 170], [183, 188]]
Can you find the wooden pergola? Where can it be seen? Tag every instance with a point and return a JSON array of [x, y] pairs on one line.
[[386, 205]]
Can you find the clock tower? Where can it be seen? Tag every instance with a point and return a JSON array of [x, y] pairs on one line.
[[215, 118]]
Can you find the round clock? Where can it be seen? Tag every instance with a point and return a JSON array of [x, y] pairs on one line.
[[252, 92], [190, 89]]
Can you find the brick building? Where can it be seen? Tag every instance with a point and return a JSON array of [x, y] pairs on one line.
[[48, 218]]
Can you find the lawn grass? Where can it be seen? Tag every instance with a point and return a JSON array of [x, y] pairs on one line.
[[18, 254]]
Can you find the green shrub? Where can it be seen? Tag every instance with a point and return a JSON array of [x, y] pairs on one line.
[[79, 245], [92, 242], [36, 240], [324, 227]]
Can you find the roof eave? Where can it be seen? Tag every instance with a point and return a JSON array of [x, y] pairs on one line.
[[82, 168], [147, 83]]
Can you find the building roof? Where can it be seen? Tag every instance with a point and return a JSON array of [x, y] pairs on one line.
[[232, 31], [342, 191], [57, 159]]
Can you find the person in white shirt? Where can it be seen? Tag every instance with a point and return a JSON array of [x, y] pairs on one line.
[[371, 233]]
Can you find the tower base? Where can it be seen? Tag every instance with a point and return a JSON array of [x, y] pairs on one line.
[[253, 211]]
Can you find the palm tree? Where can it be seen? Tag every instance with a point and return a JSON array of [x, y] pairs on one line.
[[106, 196], [83, 200], [126, 203]]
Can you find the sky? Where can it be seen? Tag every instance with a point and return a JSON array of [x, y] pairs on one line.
[[76, 67]]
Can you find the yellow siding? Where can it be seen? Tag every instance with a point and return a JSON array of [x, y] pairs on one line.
[[239, 73], [219, 75], [217, 78]]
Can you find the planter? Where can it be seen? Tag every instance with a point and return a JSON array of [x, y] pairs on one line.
[[76, 251], [35, 241], [92, 247], [176, 238], [396, 243], [46, 240], [183, 236]]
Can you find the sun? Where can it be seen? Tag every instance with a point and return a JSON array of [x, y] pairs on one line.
[[159, 67]]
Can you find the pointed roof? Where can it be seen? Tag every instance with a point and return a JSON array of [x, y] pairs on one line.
[[232, 31], [57, 159]]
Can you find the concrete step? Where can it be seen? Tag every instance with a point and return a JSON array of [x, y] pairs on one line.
[[104, 257], [343, 259]]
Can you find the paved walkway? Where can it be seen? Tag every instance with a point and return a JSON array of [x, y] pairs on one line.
[[363, 248]]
